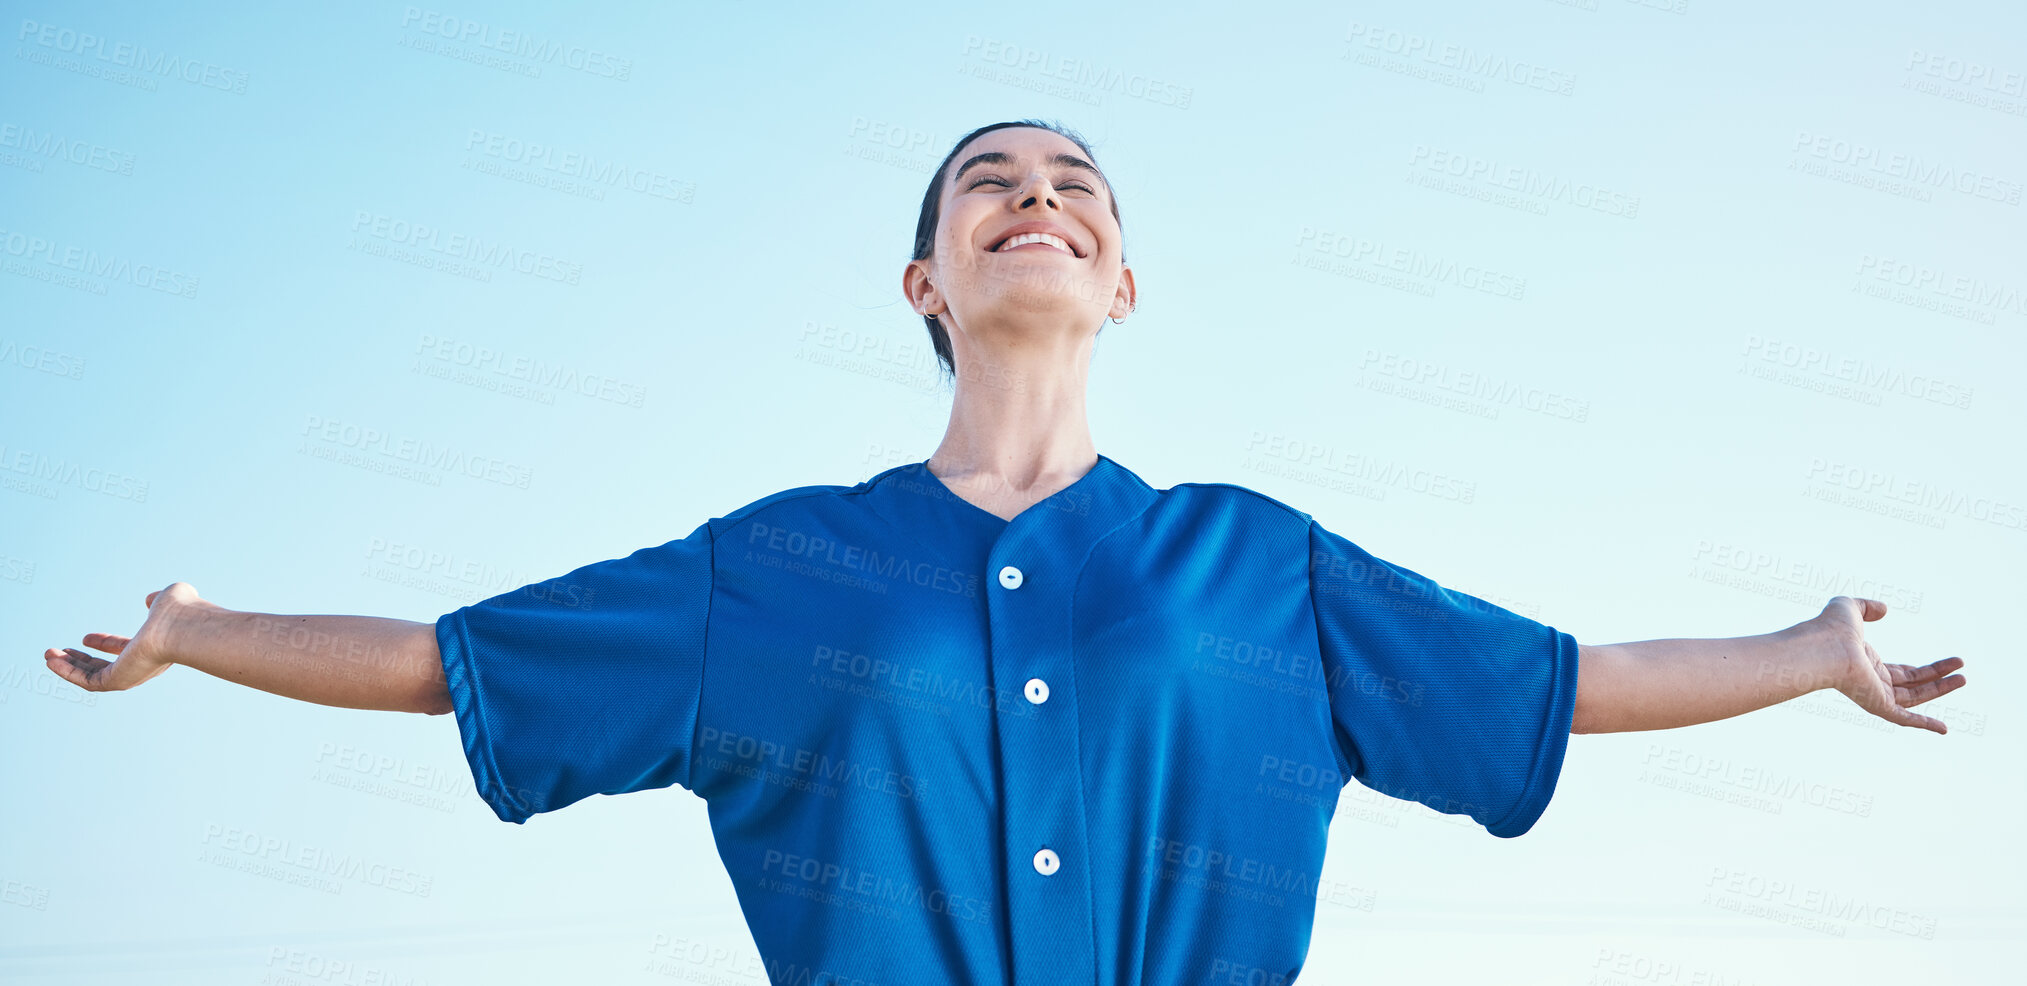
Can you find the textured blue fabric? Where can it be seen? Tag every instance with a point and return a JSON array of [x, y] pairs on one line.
[[843, 675]]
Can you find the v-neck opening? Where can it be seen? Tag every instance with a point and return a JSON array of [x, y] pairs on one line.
[[1008, 521]]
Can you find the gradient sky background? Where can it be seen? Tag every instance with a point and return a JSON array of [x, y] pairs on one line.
[[1734, 384]]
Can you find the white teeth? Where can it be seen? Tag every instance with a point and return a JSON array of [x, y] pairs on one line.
[[1027, 238]]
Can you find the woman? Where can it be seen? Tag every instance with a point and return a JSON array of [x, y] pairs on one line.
[[1011, 714]]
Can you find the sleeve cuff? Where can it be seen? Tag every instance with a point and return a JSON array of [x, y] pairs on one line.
[[1554, 743], [462, 677]]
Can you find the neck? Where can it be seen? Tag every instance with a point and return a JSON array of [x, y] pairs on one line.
[[1017, 421]]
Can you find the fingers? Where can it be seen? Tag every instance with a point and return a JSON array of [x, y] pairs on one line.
[[77, 667], [1919, 721], [89, 663], [61, 665], [1908, 697], [111, 643], [1906, 675], [1868, 609], [66, 667], [1900, 715]]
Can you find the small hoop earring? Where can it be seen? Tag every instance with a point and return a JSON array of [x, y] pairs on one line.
[[931, 317], [1118, 321]]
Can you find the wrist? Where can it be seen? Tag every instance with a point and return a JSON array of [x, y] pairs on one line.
[[1816, 653], [190, 629], [1805, 658]]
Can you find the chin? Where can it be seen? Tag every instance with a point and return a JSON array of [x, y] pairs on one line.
[[1038, 286], [1024, 299]]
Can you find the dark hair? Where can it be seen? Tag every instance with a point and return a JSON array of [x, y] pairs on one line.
[[932, 210]]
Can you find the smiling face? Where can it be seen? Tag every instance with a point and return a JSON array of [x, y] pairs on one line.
[[1026, 241]]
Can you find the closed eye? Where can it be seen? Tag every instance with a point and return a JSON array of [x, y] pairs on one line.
[[982, 179]]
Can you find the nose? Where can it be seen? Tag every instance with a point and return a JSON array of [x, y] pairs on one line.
[[1038, 190]]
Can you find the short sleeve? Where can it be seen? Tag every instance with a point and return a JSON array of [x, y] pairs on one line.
[[1438, 696], [583, 684]]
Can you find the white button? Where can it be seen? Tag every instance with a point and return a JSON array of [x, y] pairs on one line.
[[1046, 862], [1038, 690], [1010, 577]]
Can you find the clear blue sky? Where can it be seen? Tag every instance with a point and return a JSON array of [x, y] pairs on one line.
[[1644, 319]]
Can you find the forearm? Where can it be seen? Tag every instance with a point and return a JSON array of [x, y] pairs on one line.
[[1663, 684], [354, 662]]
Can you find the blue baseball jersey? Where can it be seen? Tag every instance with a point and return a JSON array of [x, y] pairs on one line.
[[1099, 743]]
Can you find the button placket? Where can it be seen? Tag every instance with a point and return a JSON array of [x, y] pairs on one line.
[[1048, 889]]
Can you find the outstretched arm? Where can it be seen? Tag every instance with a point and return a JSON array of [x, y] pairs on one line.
[[1662, 684], [354, 662]]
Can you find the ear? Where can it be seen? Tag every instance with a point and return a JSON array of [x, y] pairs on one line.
[[918, 289], [1126, 296]]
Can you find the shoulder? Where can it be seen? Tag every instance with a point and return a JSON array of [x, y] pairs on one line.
[[795, 502], [1230, 497]]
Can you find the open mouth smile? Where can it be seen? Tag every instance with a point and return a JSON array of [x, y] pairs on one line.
[[1043, 241]]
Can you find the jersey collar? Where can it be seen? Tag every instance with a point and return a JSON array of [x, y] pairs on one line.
[[1106, 496]]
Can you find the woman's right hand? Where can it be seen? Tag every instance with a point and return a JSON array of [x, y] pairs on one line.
[[137, 658]]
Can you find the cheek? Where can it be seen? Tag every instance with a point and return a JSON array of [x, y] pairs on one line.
[[954, 250]]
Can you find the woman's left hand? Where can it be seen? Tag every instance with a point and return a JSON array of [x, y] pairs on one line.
[[1888, 691]]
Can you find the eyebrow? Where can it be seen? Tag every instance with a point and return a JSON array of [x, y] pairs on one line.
[[1063, 160]]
